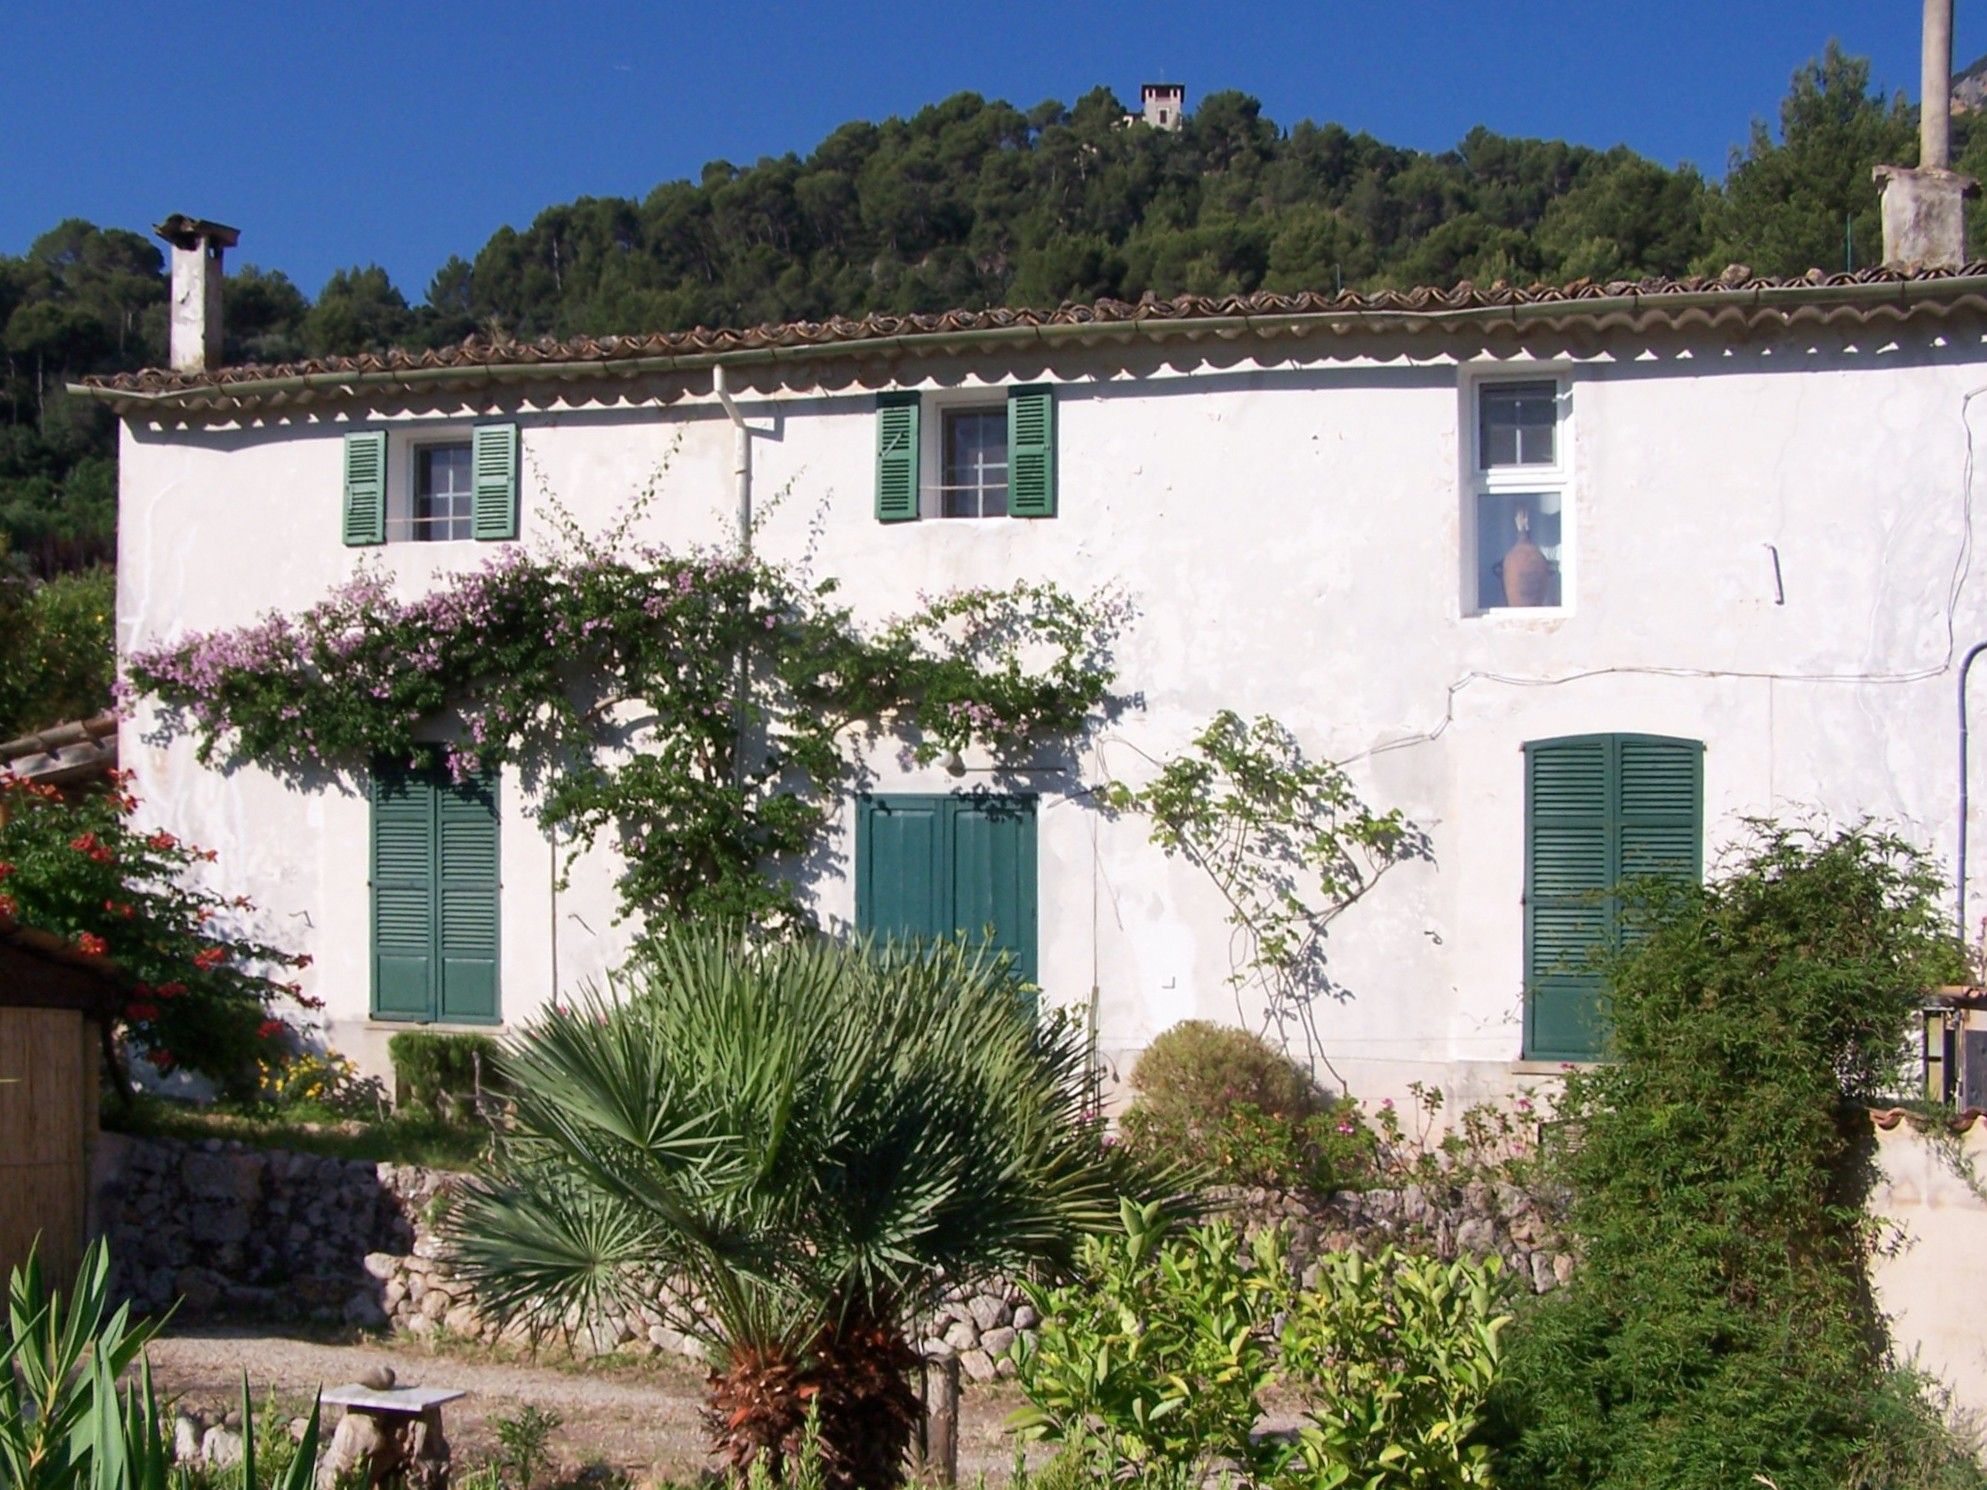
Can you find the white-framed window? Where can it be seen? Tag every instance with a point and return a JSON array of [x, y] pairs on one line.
[[441, 492], [1519, 522], [972, 461]]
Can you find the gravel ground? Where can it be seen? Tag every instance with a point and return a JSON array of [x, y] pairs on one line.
[[640, 1419]]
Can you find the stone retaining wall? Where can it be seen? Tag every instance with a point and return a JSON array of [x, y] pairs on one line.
[[247, 1234]]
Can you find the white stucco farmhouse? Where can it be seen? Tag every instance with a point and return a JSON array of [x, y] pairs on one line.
[[1577, 579]]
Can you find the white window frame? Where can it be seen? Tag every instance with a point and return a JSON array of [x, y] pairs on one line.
[[933, 406], [1556, 478], [404, 480]]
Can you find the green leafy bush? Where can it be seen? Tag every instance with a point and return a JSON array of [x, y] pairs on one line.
[[57, 658], [206, 995], [1396, 1355], [1150, 1368], [1231, 1104], [1720, 1328], [442, 1073]]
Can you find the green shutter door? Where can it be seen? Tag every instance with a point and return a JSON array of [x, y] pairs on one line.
[[896, 457], [1600, 809], [898, 869], [1031, 452], [493, 464], [403, 894], [435, 896], [992, 879], [1568, 873], [949, 866], [365, 488], [466, 813]]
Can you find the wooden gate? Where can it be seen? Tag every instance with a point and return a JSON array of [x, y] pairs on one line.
[[48, 1116]]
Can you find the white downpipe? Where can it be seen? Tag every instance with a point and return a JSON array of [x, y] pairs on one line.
[[741, 457]]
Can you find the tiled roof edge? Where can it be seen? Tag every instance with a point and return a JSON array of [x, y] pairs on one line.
[[583, 356]]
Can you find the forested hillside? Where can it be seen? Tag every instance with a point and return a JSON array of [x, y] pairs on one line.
[[970, 202]]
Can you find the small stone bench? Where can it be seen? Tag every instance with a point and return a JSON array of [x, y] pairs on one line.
[[396, 1432]]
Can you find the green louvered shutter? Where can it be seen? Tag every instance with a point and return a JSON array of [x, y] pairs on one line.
[[365, 488], [896, 457], [992, 880], [493, 461], [1600, 809], [467, 899], [943, 866], [403, 885], [1031, 452]]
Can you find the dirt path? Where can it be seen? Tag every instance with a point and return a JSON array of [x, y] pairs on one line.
[[641, 1420]]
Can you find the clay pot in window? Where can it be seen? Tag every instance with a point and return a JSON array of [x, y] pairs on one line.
[[1526, 570]]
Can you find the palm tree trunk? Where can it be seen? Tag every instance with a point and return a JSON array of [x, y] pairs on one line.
[[857, 1381]]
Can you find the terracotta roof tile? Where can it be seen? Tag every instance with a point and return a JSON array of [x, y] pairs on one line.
[[1737, 286]]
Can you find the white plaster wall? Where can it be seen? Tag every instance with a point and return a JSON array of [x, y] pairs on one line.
[[1923, 1282], [1290, 531]]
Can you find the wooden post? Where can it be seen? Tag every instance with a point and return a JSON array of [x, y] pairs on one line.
[[941, 1462]]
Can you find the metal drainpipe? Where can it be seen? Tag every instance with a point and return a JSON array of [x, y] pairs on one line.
[[1959, 894], [741, 475]]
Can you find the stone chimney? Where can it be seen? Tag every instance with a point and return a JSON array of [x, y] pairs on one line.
[[197, 246], [1924, 210]]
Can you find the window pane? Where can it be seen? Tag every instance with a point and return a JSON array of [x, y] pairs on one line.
[[1518, 549], [973, 474], [1517, 424], [443, 492]]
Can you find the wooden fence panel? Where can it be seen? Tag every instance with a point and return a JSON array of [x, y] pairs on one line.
[[48, 1065]]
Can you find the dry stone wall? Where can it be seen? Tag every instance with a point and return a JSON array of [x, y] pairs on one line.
[[246, 1234]]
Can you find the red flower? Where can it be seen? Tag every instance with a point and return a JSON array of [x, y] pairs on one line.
[[91, 943], [162, 1060], [170, 990], [162, 842], [5, 870], [271, 1029], [140, 1012], [209, 958], [120, 908], [9, 907]]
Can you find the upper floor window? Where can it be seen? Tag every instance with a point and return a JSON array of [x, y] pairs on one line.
[[973, 465], [404, 488], [1521, 495], [442, 494], [965, 454]]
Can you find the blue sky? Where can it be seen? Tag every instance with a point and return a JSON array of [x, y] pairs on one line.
[[335, 134]]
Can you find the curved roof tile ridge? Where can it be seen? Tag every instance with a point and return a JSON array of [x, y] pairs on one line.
[[479, 350]]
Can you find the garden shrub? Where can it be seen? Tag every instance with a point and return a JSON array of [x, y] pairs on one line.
[[57, 658], [1396, 1356], [1720, 1330], [439, 1073], [1231, 1104], [1150, 1368], [206, 996]]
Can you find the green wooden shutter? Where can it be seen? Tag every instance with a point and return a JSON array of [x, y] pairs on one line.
[[899, 869], [1031, 452], [467, 900], [365, 488], [493, 460], [896, 457], [992, 881], [941, 866], [403, 855], [1599, 809]]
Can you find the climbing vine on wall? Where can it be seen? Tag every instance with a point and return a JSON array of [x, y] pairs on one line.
[[1288, 843], [696, 705]]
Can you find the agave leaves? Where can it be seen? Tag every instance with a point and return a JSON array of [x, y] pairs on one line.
[[770, 1144]]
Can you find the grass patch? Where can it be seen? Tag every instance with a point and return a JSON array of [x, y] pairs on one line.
[[409, 1138]]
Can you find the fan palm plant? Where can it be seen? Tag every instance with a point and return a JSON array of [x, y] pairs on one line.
[[789, 1152]]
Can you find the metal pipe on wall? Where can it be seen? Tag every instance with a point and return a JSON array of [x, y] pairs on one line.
[[1959, 891]]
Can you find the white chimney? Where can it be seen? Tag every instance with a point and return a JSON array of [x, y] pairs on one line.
[[1924, 210], [197, 246]]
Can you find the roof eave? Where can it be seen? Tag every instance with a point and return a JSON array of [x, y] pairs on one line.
[[216, 396]]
